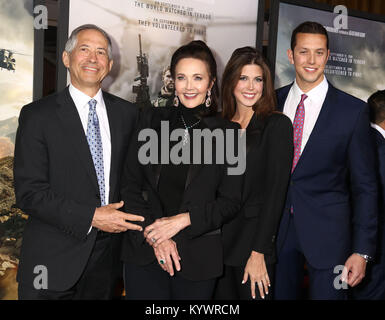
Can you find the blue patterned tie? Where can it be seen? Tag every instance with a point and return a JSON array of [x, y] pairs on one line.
[[95, 143]]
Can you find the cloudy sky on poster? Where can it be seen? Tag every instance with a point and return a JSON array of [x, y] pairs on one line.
[[164, 26], [16, 88], [16, 34], [356, 64]]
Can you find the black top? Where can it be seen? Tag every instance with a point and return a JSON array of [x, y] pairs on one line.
[[173, 177], [269, 154]]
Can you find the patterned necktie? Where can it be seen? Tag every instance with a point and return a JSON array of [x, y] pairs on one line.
[[94, 139], [298, 129]]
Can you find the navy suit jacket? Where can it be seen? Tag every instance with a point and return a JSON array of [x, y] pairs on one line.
[[380, 148], [372, 287], [333, 189]]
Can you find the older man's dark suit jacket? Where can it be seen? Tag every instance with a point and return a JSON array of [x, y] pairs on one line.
[[56, 185], [211, 197], [333, 189]]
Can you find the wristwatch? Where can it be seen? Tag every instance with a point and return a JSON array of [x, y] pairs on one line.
[[365, 256]]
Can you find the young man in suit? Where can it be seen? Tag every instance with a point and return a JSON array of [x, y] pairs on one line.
[[373, 286], [330, 217], [68, 158]]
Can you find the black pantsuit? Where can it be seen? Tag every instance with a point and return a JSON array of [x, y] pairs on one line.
[[209, 194], [268, 163]]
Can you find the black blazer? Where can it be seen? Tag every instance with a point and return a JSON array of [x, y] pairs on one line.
[[211, 197], [269, 160], [56, 184]]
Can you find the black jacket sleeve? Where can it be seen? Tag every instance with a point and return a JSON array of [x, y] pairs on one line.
[[206, 217], [279, 161], [34, 194], [135, 188]]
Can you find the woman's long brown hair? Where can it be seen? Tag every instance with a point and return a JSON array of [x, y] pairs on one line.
[[243, 56]]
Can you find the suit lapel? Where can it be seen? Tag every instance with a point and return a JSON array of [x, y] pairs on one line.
[[70, 119], [163, 114], [253, 132], [113, 121], [282, 96], [192, 172], [380, 140], [155, 170], [194, 169]]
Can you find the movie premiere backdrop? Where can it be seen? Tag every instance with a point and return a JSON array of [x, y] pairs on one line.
[[356, 63], [146, 33], [161, 26], [21, 60]]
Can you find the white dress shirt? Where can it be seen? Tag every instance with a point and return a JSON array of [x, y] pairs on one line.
[[81, 102], [313, 104], [378, 128]]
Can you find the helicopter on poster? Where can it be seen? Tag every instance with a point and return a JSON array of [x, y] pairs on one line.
[[7, 59]]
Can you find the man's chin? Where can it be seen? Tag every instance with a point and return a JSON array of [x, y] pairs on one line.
[[312, 80]]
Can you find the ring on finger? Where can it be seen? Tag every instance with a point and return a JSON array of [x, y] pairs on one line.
[[153, 240], [161, 261]]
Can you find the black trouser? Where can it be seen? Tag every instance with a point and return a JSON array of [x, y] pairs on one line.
[[150, 282], [97, 281], [230, 285]]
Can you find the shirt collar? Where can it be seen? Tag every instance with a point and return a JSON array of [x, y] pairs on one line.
[[81, 99], [378, 128], [315, 93]]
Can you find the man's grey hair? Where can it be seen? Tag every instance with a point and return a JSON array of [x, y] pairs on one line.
[[73, 39]]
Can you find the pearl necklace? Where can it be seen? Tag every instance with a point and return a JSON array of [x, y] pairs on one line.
[[186, 135]]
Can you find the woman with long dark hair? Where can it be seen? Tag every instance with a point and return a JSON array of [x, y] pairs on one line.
[[185, 203], [248, 99]]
